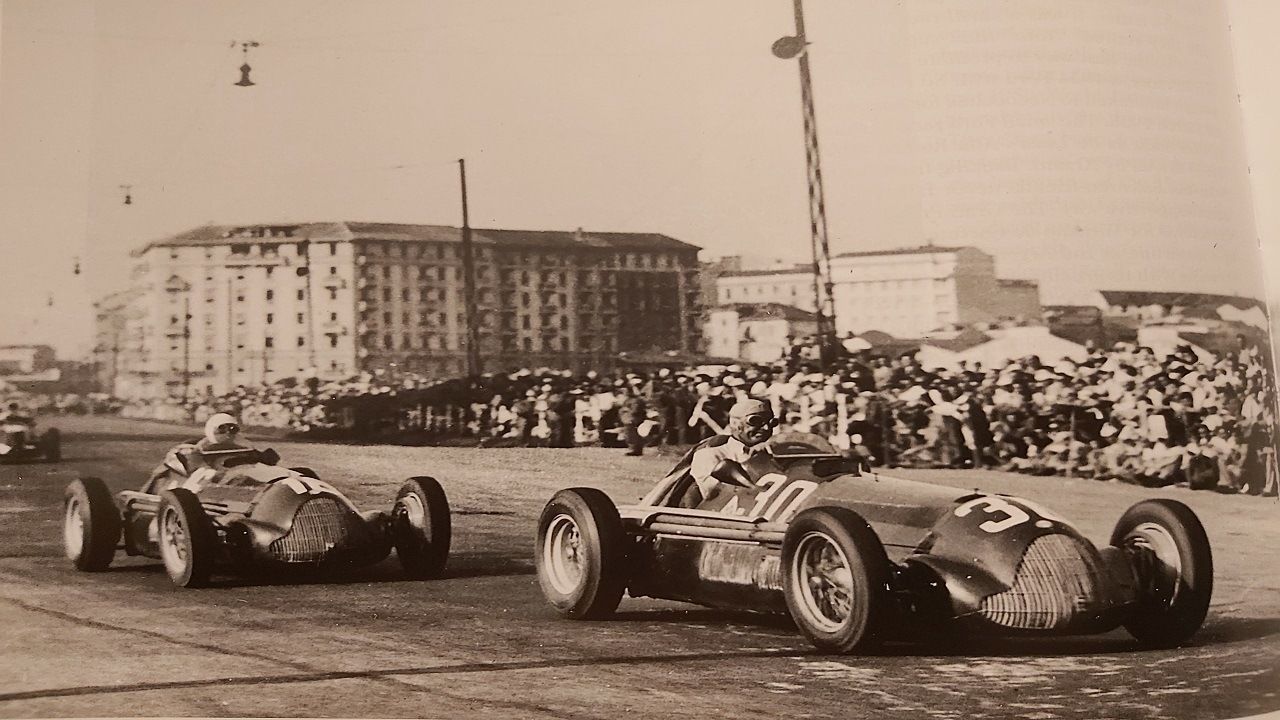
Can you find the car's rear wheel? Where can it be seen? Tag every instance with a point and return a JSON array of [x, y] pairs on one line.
[[421, 527], [187, 539], [835, 577], [581, 554], [90, 524], [51, 445], [1173, 564]]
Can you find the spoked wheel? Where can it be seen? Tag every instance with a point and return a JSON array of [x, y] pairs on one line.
[[835, 578], [1173, 564], [186, 537], [421, 528], [581, 554], [90, 525]]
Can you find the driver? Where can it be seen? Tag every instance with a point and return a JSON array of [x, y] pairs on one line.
[[220, 432], [751, 424]]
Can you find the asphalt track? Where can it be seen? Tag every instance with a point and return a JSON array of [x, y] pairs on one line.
[[481, 642]]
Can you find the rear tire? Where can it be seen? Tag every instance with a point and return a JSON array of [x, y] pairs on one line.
[[51, 444], [90, 525], [1173, 563], [581, 554], [835, 576], [421, 528], [187, 539]]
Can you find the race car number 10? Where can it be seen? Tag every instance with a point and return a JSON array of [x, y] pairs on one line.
[[777, 500]]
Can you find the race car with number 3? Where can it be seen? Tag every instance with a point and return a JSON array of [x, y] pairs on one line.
[[245, 513], [856, 557]]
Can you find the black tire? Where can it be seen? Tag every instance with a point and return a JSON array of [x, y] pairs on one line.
[[581, 554], [1170, 554], [841, 535], [90, 525], [421, 528], [186, 537], [51, 445], [306, 472]]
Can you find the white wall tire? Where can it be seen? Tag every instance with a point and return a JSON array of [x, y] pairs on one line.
[[421, 528], [90, 525], [186, 538], [581, 554]]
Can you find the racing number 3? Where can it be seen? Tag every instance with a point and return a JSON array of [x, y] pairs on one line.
[[1014, 515]]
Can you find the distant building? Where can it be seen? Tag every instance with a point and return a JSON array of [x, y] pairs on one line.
[[26, 359], [333, 299], [756, 333], [907, 292]]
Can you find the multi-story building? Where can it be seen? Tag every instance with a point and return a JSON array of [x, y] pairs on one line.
[[221, 306], [906, 293], [756, 333]]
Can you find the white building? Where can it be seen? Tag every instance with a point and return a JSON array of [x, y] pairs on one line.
[[756, 333], [906, 293]]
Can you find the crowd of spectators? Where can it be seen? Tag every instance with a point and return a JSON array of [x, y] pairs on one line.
[[1121, 414]]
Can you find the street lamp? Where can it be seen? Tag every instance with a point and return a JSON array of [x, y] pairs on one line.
[[175, 286], [786, 48]]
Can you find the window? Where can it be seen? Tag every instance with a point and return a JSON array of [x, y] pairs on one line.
[[240, 297], [333, 341], [386, 317], [386, 341], [524, 322], [333, 269], [271, 317], [333, 248], [268, 341], [271, 294], [302, 341], [302, 294], [333, 317], [386, 294], [404, 295], [333, 293], [269, 270], [301, 319]]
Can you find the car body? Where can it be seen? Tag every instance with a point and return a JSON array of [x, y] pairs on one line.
[[857, 556], [20, 442], [243, 512]]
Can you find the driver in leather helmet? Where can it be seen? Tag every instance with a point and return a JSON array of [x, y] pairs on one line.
[[751, 424], [220, 432]]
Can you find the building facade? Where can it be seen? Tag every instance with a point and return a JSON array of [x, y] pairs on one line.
[[756, 333], [906, 293], [222, 306]]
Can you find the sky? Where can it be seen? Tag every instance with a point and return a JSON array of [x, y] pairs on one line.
[[664, 116]]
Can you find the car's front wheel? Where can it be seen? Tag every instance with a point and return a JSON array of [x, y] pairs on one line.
[[188, 541], [90, 525], [1173, 564], [835, 577], [420, 528], [581, 554]]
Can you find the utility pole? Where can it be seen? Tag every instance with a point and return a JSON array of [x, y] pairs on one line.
[[469, 281], [824, 301], [186, 345]]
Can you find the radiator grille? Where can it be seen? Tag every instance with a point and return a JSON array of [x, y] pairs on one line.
[[1056, 583], [319, 527]]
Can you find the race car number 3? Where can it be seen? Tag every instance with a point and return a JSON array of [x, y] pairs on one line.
[[991, 505]]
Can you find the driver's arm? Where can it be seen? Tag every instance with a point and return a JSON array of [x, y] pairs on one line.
[[700, 468]]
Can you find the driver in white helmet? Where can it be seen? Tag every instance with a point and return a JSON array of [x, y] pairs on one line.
[[751, 424]]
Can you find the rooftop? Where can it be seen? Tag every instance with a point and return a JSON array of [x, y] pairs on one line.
[[209, 235], [769, 311]]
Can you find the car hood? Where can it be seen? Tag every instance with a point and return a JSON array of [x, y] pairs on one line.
[[901, 511]]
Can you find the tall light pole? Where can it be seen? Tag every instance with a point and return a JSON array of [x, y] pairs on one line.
[[824, 301], [469, 280], [177, 285]]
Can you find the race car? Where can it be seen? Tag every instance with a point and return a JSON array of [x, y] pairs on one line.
[[857, 557], [245, 513], [19, 440]]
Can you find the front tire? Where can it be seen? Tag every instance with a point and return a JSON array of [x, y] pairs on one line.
[[421, 528], [90, 525], [187, 539], [835, 577], [1173, 563], [581, 554]]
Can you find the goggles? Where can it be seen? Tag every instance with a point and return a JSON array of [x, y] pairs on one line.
[[229, 428], [760, 421]]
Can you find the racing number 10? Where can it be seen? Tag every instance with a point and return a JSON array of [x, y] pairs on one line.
[[779, 500]]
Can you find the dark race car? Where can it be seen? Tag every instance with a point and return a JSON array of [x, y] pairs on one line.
[[19, 441], [856, 557], [245, 513]]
